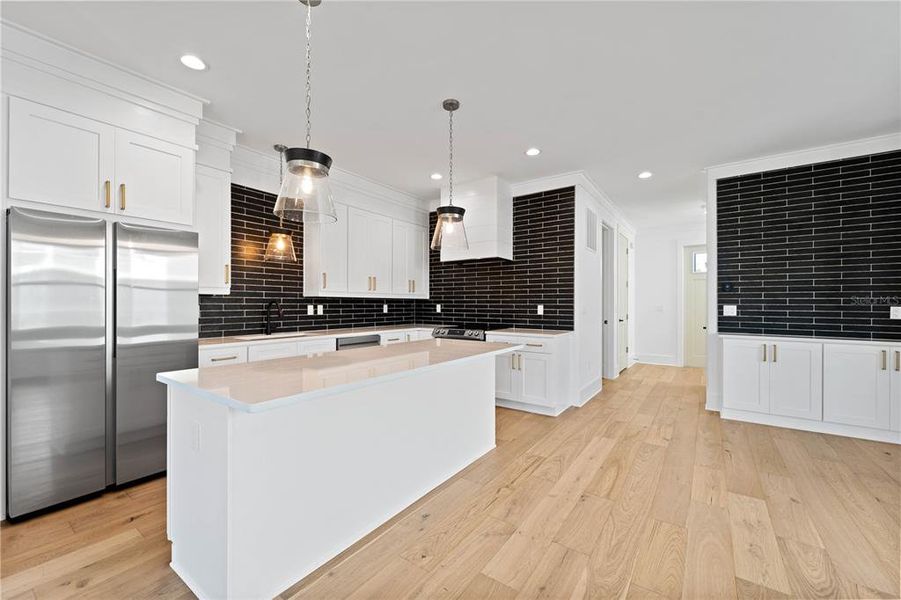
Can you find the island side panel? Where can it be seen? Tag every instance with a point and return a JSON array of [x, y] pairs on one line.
[[198, 432], [308, 480]]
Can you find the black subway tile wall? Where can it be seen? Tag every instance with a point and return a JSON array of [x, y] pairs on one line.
[[495, 293], [812, 250], [255, 282]]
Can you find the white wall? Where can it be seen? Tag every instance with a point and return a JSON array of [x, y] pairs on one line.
[[659, 290]]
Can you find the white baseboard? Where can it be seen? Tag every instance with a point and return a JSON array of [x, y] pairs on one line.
[[665, 360], [866, 433], [589, 391], [549, 411]]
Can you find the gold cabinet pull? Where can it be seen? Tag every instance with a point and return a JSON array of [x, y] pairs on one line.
[[513, 362], [375, 283], [121, 196], [324, 280], [774, 352], [764, 353], [227, 274], [897, 360], [884, 359], [108, 192], [414, 286]]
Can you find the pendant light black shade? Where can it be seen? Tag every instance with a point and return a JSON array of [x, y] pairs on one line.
[[449, 230], [305, 194]]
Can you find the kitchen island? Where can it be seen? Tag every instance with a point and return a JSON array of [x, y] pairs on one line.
[[275, 467]]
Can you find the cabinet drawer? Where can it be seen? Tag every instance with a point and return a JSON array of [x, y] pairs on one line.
[[539, 345], [395, 337], [316, 346], [224, 356], [271, 351]]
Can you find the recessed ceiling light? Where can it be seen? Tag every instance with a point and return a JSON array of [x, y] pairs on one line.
[[645, 175], [436, 176], [533, 152], [193, 62]]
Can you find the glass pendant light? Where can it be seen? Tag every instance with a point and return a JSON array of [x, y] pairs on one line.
[[449, 230], [280, 246], [305, 194]]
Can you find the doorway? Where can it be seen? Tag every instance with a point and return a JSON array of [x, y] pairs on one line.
[[622, 302], [608, 302], [694, 267]]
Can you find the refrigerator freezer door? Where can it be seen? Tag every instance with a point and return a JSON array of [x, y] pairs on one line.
[[156, 330], [56, 358]]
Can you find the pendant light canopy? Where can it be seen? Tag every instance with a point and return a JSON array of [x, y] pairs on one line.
[[305, 194], [449, 230]]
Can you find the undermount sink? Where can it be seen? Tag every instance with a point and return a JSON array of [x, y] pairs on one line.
[[263, 336]]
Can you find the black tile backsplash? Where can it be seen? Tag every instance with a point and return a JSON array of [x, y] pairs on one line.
[[489, 293], [495, 293], [813, 250]]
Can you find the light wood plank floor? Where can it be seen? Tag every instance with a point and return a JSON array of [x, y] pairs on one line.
[[639, 494]]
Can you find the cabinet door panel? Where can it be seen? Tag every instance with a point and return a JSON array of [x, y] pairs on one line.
[[369, 252], [401, 277], [503, 377], [857, 389], [533, 368], [746, 375], [158, 178], [896, 388], [380, 254], [213, 194], [333, 252], [418, 260], [796, 380], [77, 178]]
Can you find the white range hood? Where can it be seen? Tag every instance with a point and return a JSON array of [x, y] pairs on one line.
[[488, 220]]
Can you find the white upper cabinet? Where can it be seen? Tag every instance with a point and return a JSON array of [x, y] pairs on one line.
[[369, 253], [410, 249], [155, 179], [81, 176], [857, 381], [746, 375], [212, 197], [325, 256], [796, 379]]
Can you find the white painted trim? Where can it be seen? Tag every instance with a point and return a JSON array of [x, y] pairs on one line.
[[866, 433], [590, 391], [861, 147], [547, 411], [666, 360]]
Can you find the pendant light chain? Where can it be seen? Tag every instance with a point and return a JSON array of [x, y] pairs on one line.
[[309, 70], [450, 170], [281, 180]]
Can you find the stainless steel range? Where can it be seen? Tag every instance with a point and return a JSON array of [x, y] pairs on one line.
[[453, 333]]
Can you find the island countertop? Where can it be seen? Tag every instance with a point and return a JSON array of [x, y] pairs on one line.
[[264, 385]]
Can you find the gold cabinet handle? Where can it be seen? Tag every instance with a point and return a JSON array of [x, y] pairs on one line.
[[884, 359], [121, 196], [513, 362], [764, 353], [227, 274], [897, 360], [324, 280], [375, 283], [414, 286], [774, 352], [108, 192]]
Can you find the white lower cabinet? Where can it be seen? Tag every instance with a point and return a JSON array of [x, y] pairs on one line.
[[535, 378], [746, 375], [896, 388], [858, 385], [319, 346]]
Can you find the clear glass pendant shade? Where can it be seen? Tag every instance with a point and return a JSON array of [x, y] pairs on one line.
[[449, 230], [280, 247], [306, 195]]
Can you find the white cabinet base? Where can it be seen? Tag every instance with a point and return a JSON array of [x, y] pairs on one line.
[[551, 411], [853, 431]]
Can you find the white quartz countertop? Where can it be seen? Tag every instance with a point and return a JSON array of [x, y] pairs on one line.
[[524, 332], [268, 384]]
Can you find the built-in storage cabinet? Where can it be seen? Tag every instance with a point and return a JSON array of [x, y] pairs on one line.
[[410, 252], [534, 378], [366, 254], [369, 237], [60, 158], [212, 189], [858, 384], [849, 388]]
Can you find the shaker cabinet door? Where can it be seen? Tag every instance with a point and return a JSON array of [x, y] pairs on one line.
[[746, 372], [796, 379], [857, 385]]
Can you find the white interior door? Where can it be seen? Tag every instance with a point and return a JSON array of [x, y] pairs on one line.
[[695, 326], [622, 301]]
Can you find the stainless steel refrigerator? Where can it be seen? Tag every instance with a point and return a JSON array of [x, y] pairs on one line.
[[94, 311]]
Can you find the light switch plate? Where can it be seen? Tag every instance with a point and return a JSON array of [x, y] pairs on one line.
[[319, 309], [437, 308], [311, 310], [730, 310], [894, 312], [384, 308], [540, 309]]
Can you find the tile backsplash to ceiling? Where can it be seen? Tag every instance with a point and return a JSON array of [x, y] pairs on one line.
[[488, 293], [494, 293], [813, 250]]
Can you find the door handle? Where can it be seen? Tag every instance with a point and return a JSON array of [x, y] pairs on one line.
[[884, 359], [704, 328], [121, 196], [107, 189], [764, 353]]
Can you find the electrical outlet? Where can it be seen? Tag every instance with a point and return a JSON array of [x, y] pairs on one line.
[[540, 309], [311, 310], [319, 309], [730, 310], [384, 308], [437, 308], [894, 312]]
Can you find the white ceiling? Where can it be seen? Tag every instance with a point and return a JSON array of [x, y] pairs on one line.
[[612, 88]]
